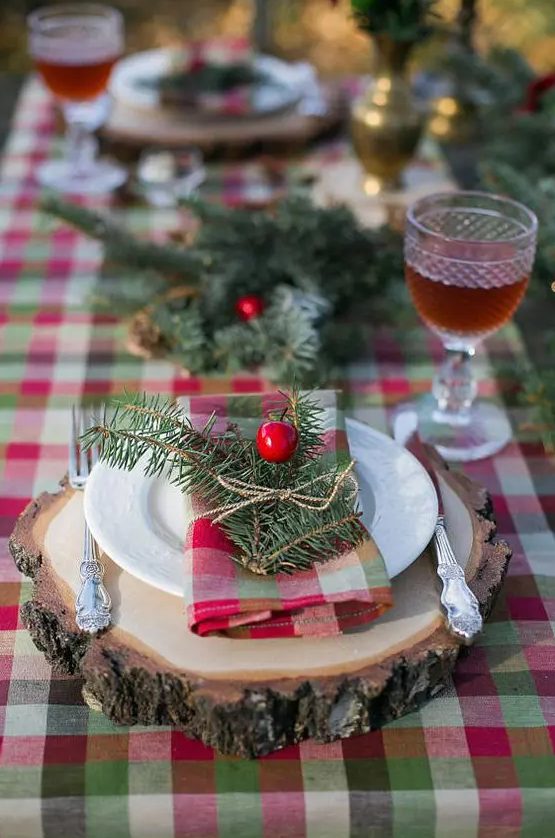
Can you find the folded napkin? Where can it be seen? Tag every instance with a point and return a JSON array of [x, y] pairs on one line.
[[342, 593]]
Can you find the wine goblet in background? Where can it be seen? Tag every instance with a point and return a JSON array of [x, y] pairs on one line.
[[74, 47], [468, 259]]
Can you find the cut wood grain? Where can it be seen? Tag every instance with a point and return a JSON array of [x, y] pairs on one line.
[[250, 697]]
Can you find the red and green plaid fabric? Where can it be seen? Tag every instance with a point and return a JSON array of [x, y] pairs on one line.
[[342, 593], [478, 760]]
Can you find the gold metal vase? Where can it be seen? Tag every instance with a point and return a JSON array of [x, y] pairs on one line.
[[386, 123]]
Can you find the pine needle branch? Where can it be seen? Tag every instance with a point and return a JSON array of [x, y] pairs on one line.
[[272, 530], [313, 267], [121, 246]]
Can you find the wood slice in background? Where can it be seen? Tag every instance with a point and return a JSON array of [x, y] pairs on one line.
[[133, 127]]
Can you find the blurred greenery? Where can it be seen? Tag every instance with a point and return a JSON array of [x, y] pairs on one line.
[[316, 29], [402, 20]]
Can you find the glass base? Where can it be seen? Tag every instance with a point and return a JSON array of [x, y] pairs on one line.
[[484, 431], [101, 176]]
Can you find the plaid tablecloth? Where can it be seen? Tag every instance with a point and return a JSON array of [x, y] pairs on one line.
[[477, 760]]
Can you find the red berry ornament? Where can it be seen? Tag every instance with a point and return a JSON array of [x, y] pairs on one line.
[[249, 306], [276, 441]]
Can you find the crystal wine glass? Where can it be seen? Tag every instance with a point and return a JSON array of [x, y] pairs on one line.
[[75, 47], [468, 258]]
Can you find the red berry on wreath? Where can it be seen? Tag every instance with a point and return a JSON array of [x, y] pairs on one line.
[[276, 441], [249, 306]]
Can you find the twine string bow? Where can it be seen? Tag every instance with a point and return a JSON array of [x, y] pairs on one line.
[[252, 494]]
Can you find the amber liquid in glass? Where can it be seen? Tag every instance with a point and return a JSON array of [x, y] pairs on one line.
[[77, 82], [462, 310]]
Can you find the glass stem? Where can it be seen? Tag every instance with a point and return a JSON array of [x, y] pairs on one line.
[[81, 144], [454, 387]]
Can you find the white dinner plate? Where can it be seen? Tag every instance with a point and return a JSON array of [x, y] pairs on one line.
[[140, 522], [278, 89]]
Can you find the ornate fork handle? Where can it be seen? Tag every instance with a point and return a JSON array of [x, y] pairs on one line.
[[93, 602], [461, 606]]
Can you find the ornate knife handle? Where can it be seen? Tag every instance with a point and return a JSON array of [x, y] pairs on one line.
[[93, 602], [461, 606]]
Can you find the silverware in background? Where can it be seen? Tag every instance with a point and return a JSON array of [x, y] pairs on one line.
[[461, 606], [93, 602]]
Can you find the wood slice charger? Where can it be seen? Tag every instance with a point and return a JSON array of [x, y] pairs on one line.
[[250, 697], [290, 129]]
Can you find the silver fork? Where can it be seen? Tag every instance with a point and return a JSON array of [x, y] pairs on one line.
[[93, 602]]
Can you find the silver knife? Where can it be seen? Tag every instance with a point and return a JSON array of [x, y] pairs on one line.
[[462, 609]]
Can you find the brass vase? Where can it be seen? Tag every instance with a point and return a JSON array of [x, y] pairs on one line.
[[386, 123]]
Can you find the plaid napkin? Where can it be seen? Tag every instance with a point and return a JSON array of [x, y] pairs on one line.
[[220, 596]]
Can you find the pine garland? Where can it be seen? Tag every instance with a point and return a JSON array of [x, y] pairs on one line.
[[316, 270], [280, 517]]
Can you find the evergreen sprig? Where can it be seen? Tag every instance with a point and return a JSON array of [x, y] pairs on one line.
[[270, 536], [401, 20], [185, 85], [121, 246], [315, 268]]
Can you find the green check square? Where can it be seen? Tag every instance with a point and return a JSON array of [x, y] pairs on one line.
[[536, 771], [514, 683], [500, 634], [546, 584], [99, 723], [107, 816], [150, 777], [236, 776], [452, 773], [522, 711], [324, 775], [240, 816], [409, 774], [8, 400], [13, 369], [23, 644], [537, 811], [414, 814], [106, 778], [63, 780], [22, 781]]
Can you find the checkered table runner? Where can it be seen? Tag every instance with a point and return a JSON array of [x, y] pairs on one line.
[[477, 760]]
